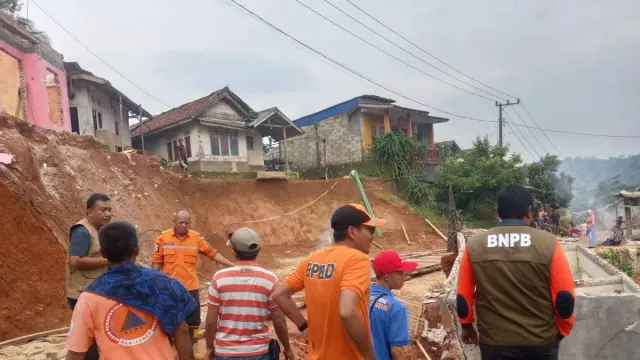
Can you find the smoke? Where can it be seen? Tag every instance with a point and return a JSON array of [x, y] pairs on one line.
[[325, 238]]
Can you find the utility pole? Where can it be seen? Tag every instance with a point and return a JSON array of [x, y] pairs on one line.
[[500, 121]]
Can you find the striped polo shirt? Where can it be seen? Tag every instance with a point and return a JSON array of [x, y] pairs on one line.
[[243, 294]]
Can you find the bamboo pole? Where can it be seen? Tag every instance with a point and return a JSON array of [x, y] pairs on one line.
[[405, 234], [26, 338], [436, 229], [424, 352]]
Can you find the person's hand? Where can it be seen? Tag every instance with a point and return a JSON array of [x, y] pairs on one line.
[[288, 354], [469, 335]]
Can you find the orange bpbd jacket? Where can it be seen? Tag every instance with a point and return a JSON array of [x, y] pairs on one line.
[[179, 257]]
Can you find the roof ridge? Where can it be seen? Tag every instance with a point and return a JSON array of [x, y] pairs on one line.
[[190, 102], [374, 97]]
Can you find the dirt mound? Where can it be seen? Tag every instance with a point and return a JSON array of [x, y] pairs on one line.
[[44, 192]]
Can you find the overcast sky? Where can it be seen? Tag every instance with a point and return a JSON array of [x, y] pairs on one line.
[[575, 64]]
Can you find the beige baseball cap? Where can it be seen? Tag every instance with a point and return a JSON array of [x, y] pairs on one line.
[[245, 240]]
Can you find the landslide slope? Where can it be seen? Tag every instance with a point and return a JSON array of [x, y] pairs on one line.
[[44, 192]]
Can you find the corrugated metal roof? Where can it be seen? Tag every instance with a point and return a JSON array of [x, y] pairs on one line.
[[340, 108]]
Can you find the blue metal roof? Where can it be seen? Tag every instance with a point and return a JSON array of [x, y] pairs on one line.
[[339, 109]]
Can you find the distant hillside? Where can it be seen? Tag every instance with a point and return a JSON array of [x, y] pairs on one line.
[[590, 171]]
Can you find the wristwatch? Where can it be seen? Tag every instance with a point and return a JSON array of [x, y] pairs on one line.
[[303, 327]]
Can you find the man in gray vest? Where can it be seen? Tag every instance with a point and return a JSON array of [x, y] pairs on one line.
[[84, 262]]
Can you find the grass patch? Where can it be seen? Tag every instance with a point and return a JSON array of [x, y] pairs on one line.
[[391, 199], [614, 257], [366, 169], [433, 215]]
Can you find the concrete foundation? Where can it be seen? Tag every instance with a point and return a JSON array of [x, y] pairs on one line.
[[607, 324]]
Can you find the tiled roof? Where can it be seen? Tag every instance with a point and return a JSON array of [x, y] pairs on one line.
[[341, 108], [73, 67], [186, 111]]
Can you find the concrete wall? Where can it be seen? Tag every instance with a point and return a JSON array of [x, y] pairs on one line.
[[607, 323], [343, 142], [45, 108], [87, 98], [201, 158]]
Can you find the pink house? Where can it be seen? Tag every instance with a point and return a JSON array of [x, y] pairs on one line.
[[33, 84]]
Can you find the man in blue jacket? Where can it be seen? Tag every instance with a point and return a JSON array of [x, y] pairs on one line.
[[389, 320]]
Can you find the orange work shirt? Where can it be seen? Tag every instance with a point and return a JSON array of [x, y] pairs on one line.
[[323, 275], [179, 257], [122, 332]]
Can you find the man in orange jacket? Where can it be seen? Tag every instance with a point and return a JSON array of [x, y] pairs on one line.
[[176, 255]]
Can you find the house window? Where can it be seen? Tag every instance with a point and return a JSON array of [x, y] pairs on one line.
[[224, 143], [381, 131], [373, 132], [249, 142], [95, 121], [99, 119], [233, 144], [117, 128], [169, 152], [215, 144], [187, 143], [176, 154]]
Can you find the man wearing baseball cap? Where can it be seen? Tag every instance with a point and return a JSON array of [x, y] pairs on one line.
[[337, 281], [389, 326], [241, 297]]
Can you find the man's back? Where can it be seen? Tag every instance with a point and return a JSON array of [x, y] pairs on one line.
[[244, 296], [122, 332], [324, 275], [517, 279]]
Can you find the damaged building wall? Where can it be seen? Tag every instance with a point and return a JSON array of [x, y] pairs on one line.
[[607, 324], [10, 85], [37, 66]]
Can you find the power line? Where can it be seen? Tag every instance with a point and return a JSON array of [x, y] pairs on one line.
[[391, 55], [406, 97], [97, 56], [531, 131], [524, 137], [355, 72], [425, 51], [579, 133], [550, 142], [409, 52], [523, 145]]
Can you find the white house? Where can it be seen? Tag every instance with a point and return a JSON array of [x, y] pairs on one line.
[[221, 133], [99, 109]]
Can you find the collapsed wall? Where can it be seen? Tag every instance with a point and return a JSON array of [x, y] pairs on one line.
[[607, 324]]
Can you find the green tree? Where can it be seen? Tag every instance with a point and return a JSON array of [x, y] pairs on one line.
[[13, 7], [28, 25], [476, 174], [548, 188]]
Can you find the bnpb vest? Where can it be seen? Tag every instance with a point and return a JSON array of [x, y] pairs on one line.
[[511, 266], [78, 279]]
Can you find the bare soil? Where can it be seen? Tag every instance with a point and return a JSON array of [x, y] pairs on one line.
[[44, 192], [446, 262]]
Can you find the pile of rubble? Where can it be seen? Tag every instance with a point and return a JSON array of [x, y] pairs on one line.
[[51, 347]]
